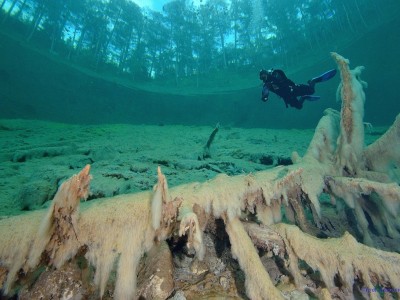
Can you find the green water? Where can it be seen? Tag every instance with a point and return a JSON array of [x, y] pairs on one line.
[[36, 83]]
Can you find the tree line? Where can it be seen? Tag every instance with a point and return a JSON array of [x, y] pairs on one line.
[[185, 39]]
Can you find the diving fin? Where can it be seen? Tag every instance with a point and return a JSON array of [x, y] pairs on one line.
[[324, 77], [309, 98]]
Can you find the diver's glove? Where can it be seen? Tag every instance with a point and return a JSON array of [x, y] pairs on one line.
[[264, 94]]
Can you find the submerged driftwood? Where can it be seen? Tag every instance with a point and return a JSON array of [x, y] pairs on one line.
[[109, 237]]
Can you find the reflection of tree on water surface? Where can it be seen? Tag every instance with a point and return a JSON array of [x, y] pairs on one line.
[[189, 39]]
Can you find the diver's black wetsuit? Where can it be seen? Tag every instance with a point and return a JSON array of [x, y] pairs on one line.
[[277, 82]]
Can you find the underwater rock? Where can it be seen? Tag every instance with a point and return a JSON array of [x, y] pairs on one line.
[[155, 280], [179, 295], [63, 283]]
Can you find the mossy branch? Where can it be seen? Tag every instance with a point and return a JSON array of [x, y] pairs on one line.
[[206, 151]]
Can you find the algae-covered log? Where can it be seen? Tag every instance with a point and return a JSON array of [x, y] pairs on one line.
[[110, 230], [342, 261]]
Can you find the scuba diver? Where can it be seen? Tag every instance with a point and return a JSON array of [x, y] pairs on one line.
[[293, 94]]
